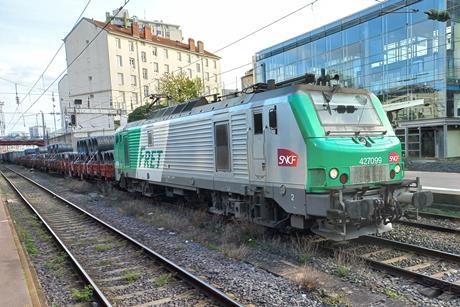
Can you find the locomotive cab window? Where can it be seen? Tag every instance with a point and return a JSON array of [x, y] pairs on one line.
[[272, 120], [222, 147], [258, 125], [149, 138]]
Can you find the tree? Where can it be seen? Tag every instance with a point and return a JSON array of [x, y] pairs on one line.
[[180, 87], [142, 112]]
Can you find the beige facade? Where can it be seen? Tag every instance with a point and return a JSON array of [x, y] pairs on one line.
[[124, 65]]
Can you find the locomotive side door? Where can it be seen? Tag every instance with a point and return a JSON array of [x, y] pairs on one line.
[[258, 144]]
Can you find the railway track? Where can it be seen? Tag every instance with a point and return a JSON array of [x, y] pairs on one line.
[[121, 270], [436, 222], [429, 267]]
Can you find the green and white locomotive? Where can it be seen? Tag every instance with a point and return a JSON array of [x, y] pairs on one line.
[[301, 156]]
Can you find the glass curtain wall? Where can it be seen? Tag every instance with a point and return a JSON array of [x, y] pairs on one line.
[[396, 54]]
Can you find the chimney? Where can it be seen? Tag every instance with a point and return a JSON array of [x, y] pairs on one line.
[[200, 46], [148, 32], [135, 29], [191, 44]]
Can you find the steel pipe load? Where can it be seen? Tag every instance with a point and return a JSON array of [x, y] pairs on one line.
[[58, 148], [103, 143], [41, 150], [83, 146]]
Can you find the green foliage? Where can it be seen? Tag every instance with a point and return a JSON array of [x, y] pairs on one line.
[[103, 247], [213, 246], [131, 276], [84, 295], [342, 271], [163, 279], [180, 87], [29, 243], [391, 293], [56, 262], [303, 258], [139, 113]]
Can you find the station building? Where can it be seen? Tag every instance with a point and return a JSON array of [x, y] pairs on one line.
[[394, 50]]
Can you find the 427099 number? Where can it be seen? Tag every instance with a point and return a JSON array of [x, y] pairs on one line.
[[370, 160]]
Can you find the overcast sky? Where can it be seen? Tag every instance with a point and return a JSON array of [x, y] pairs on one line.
[[32, 31]]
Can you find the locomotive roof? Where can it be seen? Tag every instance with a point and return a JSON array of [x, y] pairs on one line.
[[201, 105]]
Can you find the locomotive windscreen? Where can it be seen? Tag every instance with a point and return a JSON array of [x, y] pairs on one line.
[[346, 112]]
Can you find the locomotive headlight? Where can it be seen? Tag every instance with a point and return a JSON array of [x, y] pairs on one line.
[[397, 168], [333, 173]]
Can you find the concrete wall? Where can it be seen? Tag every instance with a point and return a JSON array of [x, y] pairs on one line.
[[89, 75], [453, 143]]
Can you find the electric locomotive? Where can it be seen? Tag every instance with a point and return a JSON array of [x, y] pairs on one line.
[[305, 156]]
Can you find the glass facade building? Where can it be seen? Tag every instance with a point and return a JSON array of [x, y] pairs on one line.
[[395, 51]]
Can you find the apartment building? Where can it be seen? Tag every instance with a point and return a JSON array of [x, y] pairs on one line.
[[159, 28], [122, 67]]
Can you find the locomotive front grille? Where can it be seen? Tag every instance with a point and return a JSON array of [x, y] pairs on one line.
[[369, 173]]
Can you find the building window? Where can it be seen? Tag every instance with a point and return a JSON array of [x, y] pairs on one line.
[[166, 68], [179, 56], [119, 60], [121, 99], [215, 63], [207, 90], [155, 67], [118, 43], [143, 56], [133, 80], [167, 34], [206, 76], [159, 32], [189, 58], [146, 91], [157, 84], [198, 67], [131, 46], [166, 53], [145, 73], [121, 80], [154, 51], [215, 78], [190, 75], [134, 98], [206, 62], [132, 63]]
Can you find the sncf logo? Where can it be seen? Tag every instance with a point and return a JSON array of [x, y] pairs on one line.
[[287, 158]]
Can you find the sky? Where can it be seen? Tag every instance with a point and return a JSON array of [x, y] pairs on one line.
[[32, 31]]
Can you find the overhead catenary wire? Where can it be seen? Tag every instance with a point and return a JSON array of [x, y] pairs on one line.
[[247, 35], [75, 59], [49, 63]]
